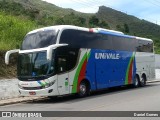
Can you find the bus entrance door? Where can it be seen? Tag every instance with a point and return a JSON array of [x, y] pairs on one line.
[[63, 77]]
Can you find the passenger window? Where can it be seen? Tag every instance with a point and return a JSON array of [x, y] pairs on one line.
[[72, 59], [62, 64]]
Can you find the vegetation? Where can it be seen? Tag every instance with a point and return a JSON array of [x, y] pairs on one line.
[[13, 30], [95, 22], [7, 71]]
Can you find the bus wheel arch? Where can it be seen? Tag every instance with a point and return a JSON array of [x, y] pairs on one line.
[[84, 88], [143, 80]]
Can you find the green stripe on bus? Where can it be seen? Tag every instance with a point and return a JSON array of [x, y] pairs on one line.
[[74, 87], [127, 73]]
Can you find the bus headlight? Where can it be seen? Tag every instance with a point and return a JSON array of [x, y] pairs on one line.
[[50, 84]]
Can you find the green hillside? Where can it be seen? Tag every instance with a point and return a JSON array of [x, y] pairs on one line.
[[13, 30], [40, 11]]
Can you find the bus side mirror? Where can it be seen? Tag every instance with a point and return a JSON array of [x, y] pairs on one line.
[[49, 52], [51, 47], [8, 53]]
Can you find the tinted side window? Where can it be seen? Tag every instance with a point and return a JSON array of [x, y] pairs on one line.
[[145, 46], [39, 40], [123, 43], [82, 39], [61, 64], [72, 58], [66, 59]]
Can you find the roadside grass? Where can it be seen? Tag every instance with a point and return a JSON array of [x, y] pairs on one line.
[[12, 30]]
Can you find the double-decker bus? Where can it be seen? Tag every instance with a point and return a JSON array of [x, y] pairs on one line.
[[65, 59]]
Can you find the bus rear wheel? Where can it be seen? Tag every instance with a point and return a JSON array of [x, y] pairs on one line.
[[143, 81], [83, 89]]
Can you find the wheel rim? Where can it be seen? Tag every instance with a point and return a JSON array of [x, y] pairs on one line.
[[143, 81], [136, 82], [83, 89]]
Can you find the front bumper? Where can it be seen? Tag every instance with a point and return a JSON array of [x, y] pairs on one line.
[[50, 91]]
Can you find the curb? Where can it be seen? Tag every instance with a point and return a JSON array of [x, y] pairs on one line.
[[153, 81], [19, 100]]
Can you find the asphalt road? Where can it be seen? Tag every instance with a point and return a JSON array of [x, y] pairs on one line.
[[116, 99]]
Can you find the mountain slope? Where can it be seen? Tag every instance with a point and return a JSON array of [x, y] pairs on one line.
[[114, 17], [137, 26], [40, 11]]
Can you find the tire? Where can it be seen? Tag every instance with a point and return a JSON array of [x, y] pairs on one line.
[[83, 89], [136, 82], [143, 81]]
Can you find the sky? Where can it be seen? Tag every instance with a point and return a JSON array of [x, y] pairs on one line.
[[144, 9]]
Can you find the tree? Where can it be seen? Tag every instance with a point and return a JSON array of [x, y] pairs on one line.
[[103, 24], [126, 28], [93, 21], [119, 28], [59, 21], [82, 20]]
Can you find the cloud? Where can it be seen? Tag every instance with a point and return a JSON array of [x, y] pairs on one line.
[[143, 9]]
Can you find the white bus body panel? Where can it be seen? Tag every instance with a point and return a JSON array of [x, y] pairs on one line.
[[145, 64], [63, 83]]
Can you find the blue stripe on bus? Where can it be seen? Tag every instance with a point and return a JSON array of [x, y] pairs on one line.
[[115, 34]]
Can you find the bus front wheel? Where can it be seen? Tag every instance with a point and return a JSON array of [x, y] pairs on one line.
[[136, 81], [83, 89]]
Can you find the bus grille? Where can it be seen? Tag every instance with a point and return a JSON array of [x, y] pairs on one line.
[[32, 88]]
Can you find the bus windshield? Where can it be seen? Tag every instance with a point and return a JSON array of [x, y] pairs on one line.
[[34, 65], [39, 39]]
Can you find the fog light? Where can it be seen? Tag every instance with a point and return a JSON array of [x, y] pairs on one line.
[[49, 91]]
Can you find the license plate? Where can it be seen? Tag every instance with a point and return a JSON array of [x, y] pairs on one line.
[[32, 93]]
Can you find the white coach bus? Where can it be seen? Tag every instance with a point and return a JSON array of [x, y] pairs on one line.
[[65, 59]]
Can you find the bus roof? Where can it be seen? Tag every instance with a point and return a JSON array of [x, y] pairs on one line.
[[107, 30], [140, 38], [95, 30]]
